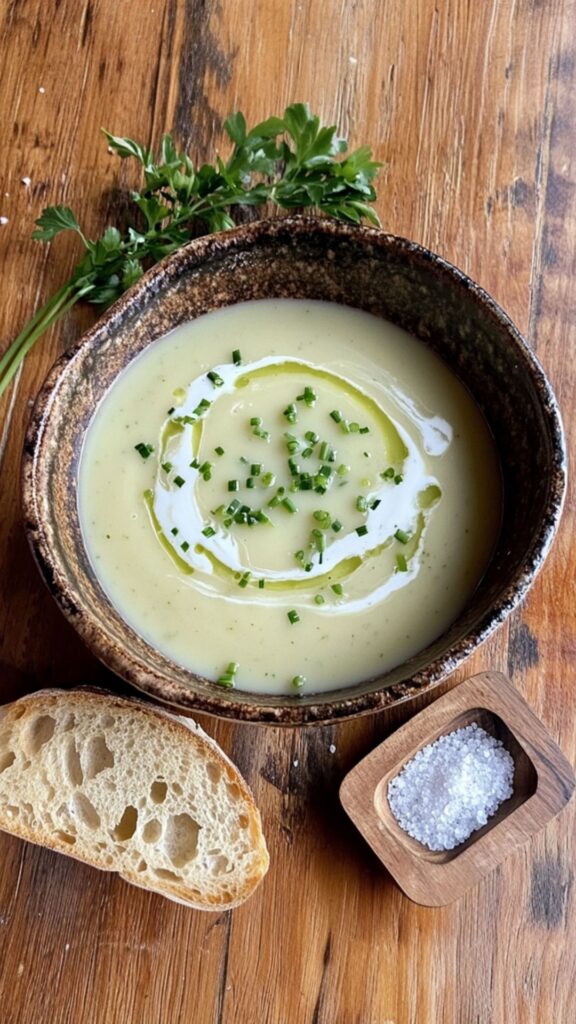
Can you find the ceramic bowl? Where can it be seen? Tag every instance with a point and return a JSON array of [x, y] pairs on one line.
[[314, 259]]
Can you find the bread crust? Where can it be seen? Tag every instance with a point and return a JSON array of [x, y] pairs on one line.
[[183, 731]]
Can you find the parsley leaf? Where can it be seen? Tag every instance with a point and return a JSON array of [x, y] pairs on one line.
[[292, 161]]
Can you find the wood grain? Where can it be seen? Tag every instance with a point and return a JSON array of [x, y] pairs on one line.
[[472, 108], [543, 784]]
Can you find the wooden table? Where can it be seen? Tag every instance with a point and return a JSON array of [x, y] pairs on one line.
[[471, 106]]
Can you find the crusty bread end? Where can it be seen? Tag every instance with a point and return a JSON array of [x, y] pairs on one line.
[[128, 787]]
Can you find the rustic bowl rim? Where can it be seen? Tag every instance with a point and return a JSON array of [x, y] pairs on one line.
[[331, 706]]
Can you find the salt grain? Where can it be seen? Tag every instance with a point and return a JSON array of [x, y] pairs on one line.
[[26, 181], [332, 748], [3, 220], [451, 787]]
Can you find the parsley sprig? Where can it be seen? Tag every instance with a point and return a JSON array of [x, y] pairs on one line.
[[291, 161]]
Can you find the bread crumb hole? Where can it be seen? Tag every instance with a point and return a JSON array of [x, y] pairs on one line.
[[158, 791], [6, 760], [17, 713], [126, 827], [68, 723], [243, 820], [109, 859], [176, 788], [65, 837], [106, 721], [142, 866], [27, 808], [181, 839], [72, 766], [219, 864], [39, 732], [214, 772], [85, 811], [98, 757], [233, 789], [169, 876], [152, 831], [12, 811]]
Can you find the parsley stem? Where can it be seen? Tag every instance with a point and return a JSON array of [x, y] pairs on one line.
[[49, 314]]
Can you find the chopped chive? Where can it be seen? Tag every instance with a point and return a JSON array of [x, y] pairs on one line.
[[171, 410], [336, 526], [344, 426], [398, 478], [323, 452], [293, 616], [322, 517], [305, 482], [291, 413], [307, 452], [375, 503], [261, 584], [325, 471], [401, 563], [388, 474], [289, 505], [319, 540], [362, 530], [267, 478], [208, 531], [233, 507], [293, 467], [195, 464], [202, 407], [298, 682], [319, 599], [354, 427], [244, 580], [166, 466], [174, 531], [184, 545], [244, 460], [179, 481], [219, 450], [233, 485], [319, 488], [312, 437], [256, 468], [261, 517], [336, 415], [343, 470], [218, 511], [310, 396], [402, 536], [256, 421], [361, 503], [338, 589], [293, 447], [145, 450], [236, 357], [250, 482], [215, 378]]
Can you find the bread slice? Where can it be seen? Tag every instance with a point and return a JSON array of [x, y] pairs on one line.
[[126, 786]]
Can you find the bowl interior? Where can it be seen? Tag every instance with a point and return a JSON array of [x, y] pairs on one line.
[[311, 259]]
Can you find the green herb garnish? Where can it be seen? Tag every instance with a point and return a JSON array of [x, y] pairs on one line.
[[293, 616], [145, 450], [402, 536], [292, 161]]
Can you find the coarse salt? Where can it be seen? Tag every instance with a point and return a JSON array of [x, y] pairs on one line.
[[451, 787], [26, 181], [3, 220]]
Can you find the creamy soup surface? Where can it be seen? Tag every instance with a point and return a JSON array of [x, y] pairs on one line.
[[289, 496]]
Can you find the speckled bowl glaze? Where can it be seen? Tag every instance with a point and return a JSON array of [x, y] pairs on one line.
[[314, 259]]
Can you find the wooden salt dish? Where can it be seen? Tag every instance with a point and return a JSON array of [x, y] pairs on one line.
[[543, 784]]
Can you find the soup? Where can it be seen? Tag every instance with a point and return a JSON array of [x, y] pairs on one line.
[[288, 496]]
